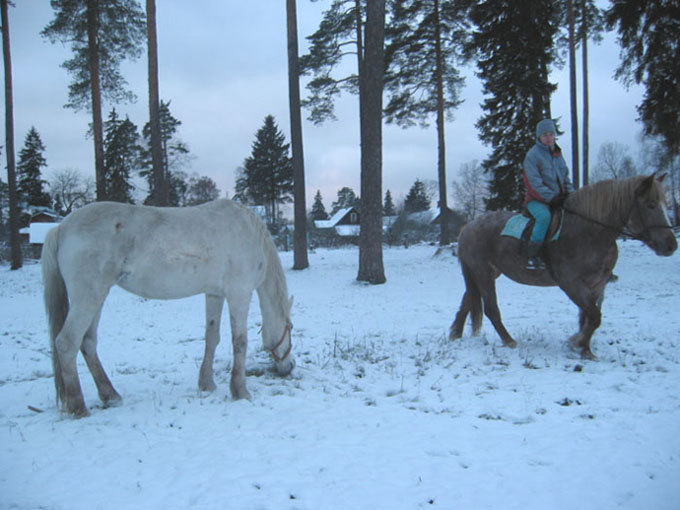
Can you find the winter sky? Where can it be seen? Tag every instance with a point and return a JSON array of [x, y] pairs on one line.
[[223, 66]]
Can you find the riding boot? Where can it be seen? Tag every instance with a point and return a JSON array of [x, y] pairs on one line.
[[535, 262]]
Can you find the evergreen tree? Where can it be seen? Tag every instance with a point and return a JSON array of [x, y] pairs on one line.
[[101, 34], [15, 241], [417, 199], [29, 170], [161, 184], [514, 43], [178, 189], [388, 205], [267, 177], [318, 209], [425, 42], [300, 259], [328, 47], [346, 198], [173, 154], [121, 157], [650, 55]]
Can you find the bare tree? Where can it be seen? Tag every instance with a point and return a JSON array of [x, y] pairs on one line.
[[655, 156], [71, 189], [471, 190], [613, 162], [15, 242]]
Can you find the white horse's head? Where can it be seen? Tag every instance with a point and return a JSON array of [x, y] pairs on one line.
[[281, 346]]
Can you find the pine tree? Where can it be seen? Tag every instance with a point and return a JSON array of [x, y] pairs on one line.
[[388, 205], [318, 209], [29, 170], [346, 198], [267, 177], [425, 42], [417, 199], [121, 157], [173, 154], [300, 258], [514, 43], [650, 55], [101, 34]]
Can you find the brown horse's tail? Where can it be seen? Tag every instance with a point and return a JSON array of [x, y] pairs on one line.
[[56, 301]]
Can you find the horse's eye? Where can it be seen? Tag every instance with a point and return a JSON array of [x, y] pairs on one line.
[[651, 205]]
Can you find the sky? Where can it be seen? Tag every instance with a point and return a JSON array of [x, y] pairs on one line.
[[223, 66]]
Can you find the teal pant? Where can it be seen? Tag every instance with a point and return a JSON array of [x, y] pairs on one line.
[[541, 213]]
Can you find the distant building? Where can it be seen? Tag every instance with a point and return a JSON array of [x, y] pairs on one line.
[[345, 222]]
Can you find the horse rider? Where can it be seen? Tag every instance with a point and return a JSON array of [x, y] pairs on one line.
[[546, 179]]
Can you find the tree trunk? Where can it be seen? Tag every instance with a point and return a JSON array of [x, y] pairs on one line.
[[572, 89], [95, 91], [160, 184], [370, 97], [15, 240], [300, 260], [586, 112], [441, 143]]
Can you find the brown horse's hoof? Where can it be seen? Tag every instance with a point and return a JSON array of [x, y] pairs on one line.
[[588, 354], [510, 343]]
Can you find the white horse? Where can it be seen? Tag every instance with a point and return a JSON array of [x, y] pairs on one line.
[[220, 249]]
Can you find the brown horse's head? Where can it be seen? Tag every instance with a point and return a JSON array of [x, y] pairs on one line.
[[649, 217]]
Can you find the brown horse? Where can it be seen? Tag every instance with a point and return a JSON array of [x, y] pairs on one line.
[[580, 261]]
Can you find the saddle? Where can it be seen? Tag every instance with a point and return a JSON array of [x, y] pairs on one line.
[[520, 225]]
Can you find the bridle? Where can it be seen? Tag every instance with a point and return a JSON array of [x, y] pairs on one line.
[[286, 331], [644, 235]]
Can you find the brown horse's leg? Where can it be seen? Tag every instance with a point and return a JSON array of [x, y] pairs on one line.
[[492, 311], [471, 303], [458, 325]]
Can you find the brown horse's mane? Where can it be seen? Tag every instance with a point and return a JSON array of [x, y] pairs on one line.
[[608, 199]]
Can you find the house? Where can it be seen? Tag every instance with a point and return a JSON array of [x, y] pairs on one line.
[[42, 220], [345, 222]]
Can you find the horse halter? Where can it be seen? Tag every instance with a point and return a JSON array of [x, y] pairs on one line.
[[644, 235], [286, 331]]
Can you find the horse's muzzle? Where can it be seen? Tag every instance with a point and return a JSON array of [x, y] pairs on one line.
[[665, 246], [286, 366]]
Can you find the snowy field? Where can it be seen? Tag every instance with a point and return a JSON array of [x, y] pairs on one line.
[[381, 412]]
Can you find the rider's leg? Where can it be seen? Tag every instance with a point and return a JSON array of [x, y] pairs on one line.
[[541, 214]]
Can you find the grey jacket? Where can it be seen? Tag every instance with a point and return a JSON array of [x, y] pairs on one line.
[[545, 174]]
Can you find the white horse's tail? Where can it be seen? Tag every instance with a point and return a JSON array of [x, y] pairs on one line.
[[56, 301]]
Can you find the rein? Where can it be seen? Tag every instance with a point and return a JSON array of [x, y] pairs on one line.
[[642, 236], [286, 331]]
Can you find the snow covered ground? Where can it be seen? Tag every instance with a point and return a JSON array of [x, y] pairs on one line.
[[382, 411]]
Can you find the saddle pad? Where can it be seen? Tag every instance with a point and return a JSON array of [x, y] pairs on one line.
[[516, 225]]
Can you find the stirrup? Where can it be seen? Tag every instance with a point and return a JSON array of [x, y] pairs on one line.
[[535, 264]]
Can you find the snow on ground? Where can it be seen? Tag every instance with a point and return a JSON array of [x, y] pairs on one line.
[[382, 411]]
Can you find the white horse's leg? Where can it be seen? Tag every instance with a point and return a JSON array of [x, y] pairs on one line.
[[67, 344], [238, 316], [107, 393], [213, 317]]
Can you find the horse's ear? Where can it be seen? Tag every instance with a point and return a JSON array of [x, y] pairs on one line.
[[661, 177], [644, 187]]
